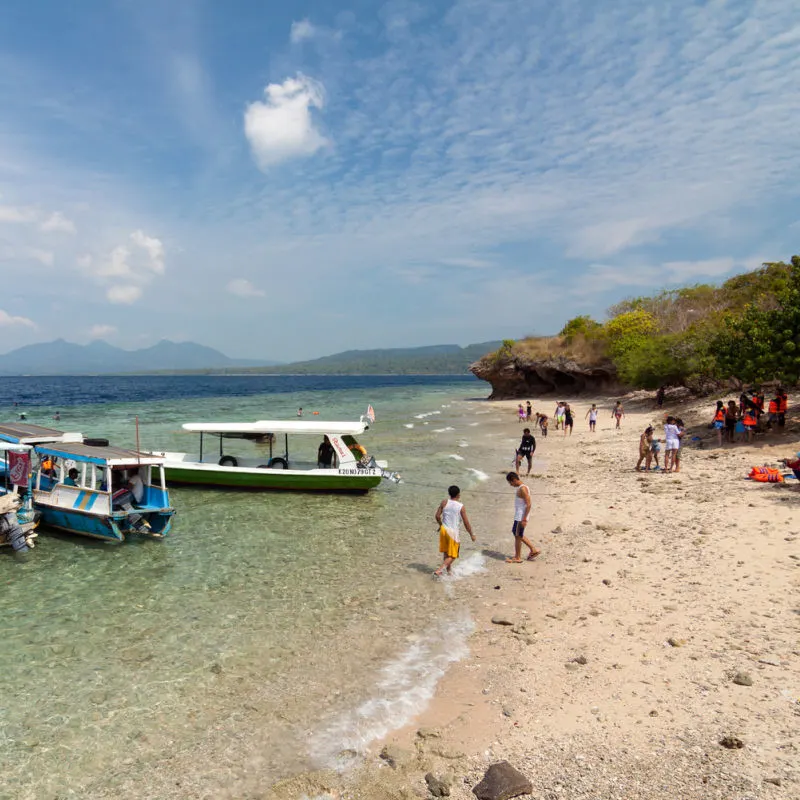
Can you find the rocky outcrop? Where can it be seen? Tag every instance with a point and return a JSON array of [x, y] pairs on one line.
[[517, 377]]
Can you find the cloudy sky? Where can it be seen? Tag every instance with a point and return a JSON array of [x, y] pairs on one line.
[[289, 180]]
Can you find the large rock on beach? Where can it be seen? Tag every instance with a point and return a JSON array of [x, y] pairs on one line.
[[502, 782], [517, 376]]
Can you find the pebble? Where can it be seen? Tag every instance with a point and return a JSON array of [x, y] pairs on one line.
[[773, 781], [731, 742], [587, 522], [436, 786], [771, 662], [673, 642], [743, 679], [582, 660], [501, 620], [606, 582]]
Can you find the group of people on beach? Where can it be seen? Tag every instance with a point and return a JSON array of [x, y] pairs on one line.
[[740, 421], [650, 447]]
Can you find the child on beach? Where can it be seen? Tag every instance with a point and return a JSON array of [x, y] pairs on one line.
[[655, 449], [559, 414], [672, 435], [618, 413], [449, 515], [645, 451], [719, 421], [592, 414], [520, 413], [522, 509]]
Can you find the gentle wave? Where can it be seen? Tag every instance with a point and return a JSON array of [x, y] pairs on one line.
[[404, 688]]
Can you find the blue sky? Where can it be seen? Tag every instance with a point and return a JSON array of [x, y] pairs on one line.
[[287, 183]]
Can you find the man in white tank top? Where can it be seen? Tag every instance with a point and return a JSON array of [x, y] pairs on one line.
[[522, 509], [449, 515]]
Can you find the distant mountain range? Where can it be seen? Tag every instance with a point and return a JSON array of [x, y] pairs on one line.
[[99, 357], [439, 359]]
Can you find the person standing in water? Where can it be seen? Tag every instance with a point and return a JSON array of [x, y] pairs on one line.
[[522, 510], [449, 515], [618, 413], [592, 414]]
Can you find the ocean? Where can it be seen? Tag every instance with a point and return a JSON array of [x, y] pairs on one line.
[[270, 633]]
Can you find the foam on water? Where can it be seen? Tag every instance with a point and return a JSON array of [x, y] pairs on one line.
[[456, 457], [429, 414], [403, 688], [463, 443], [443, 430], [481, 476], [473, 564], [409, 425]]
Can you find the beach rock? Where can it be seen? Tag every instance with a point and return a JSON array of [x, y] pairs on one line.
[[606, 582], [770, 662], [587, 522], [582, 660], [393, 755], [743, 679], [673, 642], [731, 742], [429, 733], [216, 669], [773, 781], [502, 782], [557, 529], [436, 786], [499, 619]]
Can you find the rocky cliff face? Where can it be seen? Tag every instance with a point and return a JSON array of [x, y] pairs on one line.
[[516, 377]]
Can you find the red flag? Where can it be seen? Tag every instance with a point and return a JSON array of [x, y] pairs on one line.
[[19, 467]]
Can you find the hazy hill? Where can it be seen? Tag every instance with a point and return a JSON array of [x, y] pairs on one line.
[[440, 359], [99, 357]]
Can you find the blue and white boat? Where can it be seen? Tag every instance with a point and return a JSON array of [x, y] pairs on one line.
[[103, 492]]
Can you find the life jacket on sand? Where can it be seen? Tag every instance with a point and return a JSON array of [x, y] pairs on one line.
[[766, 475]]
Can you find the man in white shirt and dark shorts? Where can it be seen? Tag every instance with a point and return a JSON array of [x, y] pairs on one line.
[[522, 510]]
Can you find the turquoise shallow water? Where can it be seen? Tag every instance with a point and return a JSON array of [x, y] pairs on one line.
[[269, 632]]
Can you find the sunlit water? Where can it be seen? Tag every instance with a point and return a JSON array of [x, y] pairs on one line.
[[268, 633]]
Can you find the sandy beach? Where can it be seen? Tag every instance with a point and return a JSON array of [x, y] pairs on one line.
[[661, 619]]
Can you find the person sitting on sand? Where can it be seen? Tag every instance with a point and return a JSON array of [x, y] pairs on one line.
[[526, 449], [449, 515], [592, 414], [522, 509], [645, 454], [618, 413]]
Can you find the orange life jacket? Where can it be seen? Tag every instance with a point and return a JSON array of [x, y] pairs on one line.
[[749, 417], [720, 415], [773, 406], [766, 475], [783, 405]]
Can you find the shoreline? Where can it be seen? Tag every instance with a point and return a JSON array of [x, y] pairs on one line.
[[652, 592]]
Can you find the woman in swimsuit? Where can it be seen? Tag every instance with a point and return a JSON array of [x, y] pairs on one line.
[[618, 413], [567, 419]]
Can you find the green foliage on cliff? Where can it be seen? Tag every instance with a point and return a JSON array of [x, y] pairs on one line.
[[748, 329]]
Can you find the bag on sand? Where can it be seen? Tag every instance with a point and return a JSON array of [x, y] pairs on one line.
[[766, 475]]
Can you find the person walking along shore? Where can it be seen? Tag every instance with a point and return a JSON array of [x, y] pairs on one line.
[[522, 510], [449, 515]]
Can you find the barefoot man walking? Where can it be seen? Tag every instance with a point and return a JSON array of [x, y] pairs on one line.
[[522, 509]]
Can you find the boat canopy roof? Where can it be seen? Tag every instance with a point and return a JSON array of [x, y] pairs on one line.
[[23, 433], [264, 426], [102, 456]]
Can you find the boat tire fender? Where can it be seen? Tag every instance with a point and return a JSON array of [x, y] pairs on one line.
[[96, 442], [278, 463], [228, 461]]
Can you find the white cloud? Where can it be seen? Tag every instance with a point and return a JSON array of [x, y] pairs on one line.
[[154, 248], [44, 257], [123, 295], [102, 331], [57, 222], [243, 288], [302, 30], [281, 127], [15, 214], [129, 267], [7, 321], [467, 263]]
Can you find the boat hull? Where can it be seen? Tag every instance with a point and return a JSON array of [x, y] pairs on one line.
[[358, 481], [109, 528]]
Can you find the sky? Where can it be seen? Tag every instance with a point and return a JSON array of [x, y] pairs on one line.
[[285, 181]]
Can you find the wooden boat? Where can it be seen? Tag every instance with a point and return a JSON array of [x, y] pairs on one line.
[[269, 464], [115, 492]]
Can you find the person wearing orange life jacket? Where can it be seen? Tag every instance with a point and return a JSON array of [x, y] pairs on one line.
[[772, 411], [719, 421], [749, 420], [783, 406]]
